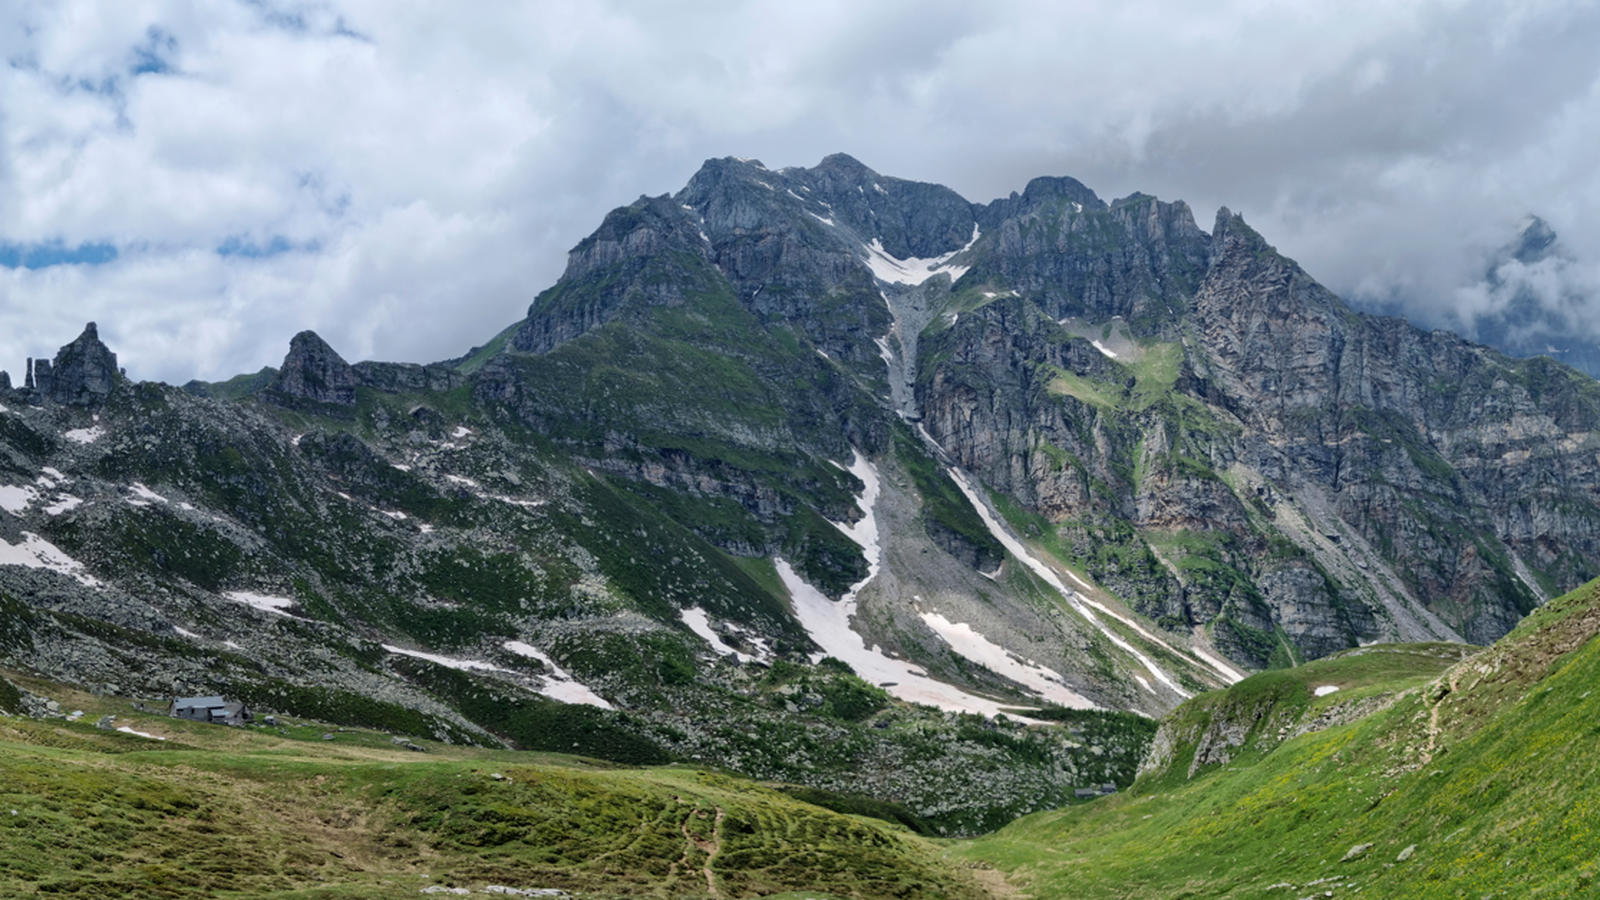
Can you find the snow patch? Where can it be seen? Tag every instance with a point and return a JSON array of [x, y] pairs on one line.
[[462, 665], [275, 605], [64, 503], [55, 474], [186, 633], [823, 219], [828, 623], [395, 515], [514, 501], [126, 730], [37, 553], [559, 685], [425, 528], [966, 640], [15, 499], [1323, 690], [1102, 348], [864, 532], [458, 479], [914, 270], [144, 493], [700, 623], [84, 435], [1228, 673], [401, 467], [461, 431]]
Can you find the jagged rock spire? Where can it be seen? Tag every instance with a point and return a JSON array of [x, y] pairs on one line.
[[84, 372], [314, 371]]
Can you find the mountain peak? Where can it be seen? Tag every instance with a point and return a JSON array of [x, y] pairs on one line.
[[314, 371], [846, 162], [1535, 240], [84, 372]]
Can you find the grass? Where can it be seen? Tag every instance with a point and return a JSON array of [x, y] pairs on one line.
[[1090, 391], [1479, 780], [252, 812]]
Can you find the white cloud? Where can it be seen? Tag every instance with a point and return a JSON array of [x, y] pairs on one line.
[[420, 170]]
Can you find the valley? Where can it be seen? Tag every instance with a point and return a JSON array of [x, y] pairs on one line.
[[802, 496]]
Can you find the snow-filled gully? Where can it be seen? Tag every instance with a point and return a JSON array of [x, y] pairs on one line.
[[1087, 607], [914, 270], [1074, 600], [828, 624]]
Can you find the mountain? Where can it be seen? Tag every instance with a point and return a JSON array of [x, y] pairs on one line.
[[1396, 771], [1535, 307], [815, 475]]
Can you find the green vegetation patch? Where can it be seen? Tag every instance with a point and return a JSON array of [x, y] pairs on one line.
[[1421, 776], [861, 805]]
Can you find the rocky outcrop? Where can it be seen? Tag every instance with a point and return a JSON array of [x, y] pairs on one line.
[[1073, 255], [84, 373], [643, 255], [315, 372], [407, 378]]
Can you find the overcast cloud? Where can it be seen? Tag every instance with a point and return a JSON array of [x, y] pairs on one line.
[[205, 179]]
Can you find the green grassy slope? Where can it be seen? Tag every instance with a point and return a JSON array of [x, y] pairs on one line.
[[1480, 778], [259, 813]]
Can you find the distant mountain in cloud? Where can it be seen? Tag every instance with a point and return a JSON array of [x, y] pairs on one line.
[[1534, 298]]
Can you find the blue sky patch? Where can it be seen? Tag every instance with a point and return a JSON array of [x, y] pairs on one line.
[[54, 253], [249, 249], [152, 57]]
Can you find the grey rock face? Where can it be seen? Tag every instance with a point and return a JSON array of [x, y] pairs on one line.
[[314, 371], [41, 379], [1073, 255], [407, 378], [646, 254], [84, 373]]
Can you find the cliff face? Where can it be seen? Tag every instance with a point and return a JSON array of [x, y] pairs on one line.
[[1441, 452], [1352, 476]]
